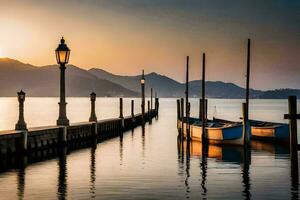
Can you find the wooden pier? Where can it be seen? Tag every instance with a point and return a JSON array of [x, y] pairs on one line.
[[41, 138]]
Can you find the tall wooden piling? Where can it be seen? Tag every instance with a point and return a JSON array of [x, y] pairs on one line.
[[246, 106], [203, 116], [188, 123], [178, 115], [293, 116], [149, 111], [156, 106], [248, 77], [205, 108], [182, 115], [178, 109], [187, 98], [132, 110], [121, 113], [201, 110], [245, 124], [143, 97]]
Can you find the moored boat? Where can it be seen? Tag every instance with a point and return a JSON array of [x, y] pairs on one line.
[[217, 131], [269, 131], [261, 130]]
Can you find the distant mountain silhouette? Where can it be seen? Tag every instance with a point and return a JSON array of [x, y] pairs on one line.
[[167, 87], [44, 81], [163, 85]]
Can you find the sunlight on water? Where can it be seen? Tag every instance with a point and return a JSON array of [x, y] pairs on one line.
[[150, 164]]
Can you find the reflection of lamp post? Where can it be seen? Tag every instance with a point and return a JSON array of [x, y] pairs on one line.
[[143, 97], [62, 56], [21, 125], [93, 117]]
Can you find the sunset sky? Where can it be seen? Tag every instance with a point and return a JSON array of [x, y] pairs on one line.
[[125, 36]]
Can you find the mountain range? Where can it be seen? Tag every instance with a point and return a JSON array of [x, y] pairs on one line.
[[44, 82]]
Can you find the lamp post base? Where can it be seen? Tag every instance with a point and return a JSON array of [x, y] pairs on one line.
[[21, 126], [93, 119], [63, 122]]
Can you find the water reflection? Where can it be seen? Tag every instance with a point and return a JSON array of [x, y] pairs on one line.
[[143, 146], [21, 182], [187, 170], [62, 175], [230, 154], [121, 149], [203, 166], [294, 181], [274, 149], [212, 172], [245, 173], [93, 173]]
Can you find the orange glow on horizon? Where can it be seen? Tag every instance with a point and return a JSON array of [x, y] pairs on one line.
[[123, 40]]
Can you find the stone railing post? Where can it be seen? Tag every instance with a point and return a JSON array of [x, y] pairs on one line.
[[21, 125], [121, 113], [93, 117]]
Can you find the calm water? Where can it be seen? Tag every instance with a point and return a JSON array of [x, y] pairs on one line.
[[150, 164]]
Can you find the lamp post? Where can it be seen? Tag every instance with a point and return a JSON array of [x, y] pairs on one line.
[[21, 124], [93, 117], [143, 97], [62, 56]]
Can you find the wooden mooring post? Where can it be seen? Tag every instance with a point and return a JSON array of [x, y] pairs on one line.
[[201, 110], [203, 116], [178, 109], [151, 98], [143, 96], [178, 115], [246, 105], [182, 115], [132, 112], [188, 122], [156, 106], [187, 99], [292, 117], [149, 112], [245, 124]]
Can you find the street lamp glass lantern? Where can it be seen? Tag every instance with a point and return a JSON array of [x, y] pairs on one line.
[[21, 95], [62, 53], [93, 96]]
